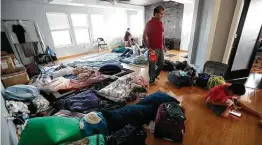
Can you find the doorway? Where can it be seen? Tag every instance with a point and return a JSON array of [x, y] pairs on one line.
[[246, 45]]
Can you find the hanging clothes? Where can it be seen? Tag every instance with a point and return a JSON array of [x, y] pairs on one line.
[[20, 32], [30, 49]]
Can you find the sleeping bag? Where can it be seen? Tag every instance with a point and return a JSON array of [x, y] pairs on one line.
[[138, 114], [50, 131]]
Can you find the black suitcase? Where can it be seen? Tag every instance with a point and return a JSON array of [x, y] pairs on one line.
[[179, 80], [168, 66], [202, 80]]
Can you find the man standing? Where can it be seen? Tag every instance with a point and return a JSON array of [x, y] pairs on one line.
[[154, 41]]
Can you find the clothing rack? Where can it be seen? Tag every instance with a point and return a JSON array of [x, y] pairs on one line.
[[38, 33]]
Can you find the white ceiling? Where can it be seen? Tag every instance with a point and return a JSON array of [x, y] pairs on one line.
[[143, 2], [95, 2]]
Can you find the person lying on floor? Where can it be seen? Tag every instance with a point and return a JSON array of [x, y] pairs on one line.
[[220, 100], [133, 50]]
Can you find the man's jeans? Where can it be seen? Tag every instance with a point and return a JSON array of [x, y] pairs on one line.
[[156, 67]]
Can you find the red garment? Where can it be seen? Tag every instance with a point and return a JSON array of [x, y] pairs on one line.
[[155, 30], [127, 35], [218, 94]]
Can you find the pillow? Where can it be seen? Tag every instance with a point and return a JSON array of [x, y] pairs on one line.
[[92, 123], [21, 92], [50, 130], [158, 98], [110, 69]]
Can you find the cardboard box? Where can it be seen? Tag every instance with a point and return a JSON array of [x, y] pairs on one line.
[[7, 65], [15, 78]]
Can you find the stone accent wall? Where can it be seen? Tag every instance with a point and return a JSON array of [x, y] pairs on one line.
[[172, 20]]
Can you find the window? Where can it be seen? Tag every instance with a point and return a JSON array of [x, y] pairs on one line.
[[81, 30], [60, 29], [98, 26]]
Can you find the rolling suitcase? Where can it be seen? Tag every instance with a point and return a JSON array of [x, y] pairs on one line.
[[179, 80]]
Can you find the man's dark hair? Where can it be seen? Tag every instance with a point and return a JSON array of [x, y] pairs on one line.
[[158, 9], [132, 39], [237, 89], [128, 29]]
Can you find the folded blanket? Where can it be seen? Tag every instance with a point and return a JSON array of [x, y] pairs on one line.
[[79, 102]]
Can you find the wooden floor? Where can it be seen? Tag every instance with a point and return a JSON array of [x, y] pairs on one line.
[[203, 127]]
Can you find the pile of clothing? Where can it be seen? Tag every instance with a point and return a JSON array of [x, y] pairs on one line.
[[91, 106], [23, 101], [103, 126]]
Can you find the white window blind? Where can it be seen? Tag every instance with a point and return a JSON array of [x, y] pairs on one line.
[[60, 28], [81, 29]]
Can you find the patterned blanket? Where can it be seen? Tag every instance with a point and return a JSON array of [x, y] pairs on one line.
[[119, 90]]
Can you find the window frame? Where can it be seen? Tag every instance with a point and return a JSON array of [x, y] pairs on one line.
[[73, 28], [61, 29]]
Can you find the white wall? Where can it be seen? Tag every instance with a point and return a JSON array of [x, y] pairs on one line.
[[211, 31], [203, 20], [223, 24], [37, 11], [187, 25], [8, 131]]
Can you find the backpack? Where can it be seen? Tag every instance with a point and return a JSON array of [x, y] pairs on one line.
[[179, 78], [180, 65], [168, 66], [215, 81], [169, 122], [202, 80], [129, 135]]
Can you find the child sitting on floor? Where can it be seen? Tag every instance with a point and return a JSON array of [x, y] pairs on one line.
[[220, 100]]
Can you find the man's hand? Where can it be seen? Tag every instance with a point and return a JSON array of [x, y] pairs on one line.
[[165, 49], [151, 51]]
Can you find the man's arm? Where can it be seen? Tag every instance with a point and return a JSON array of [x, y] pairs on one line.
[[146, 42], [145, 37]]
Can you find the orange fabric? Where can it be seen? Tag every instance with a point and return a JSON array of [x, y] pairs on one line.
[[218, 94]]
